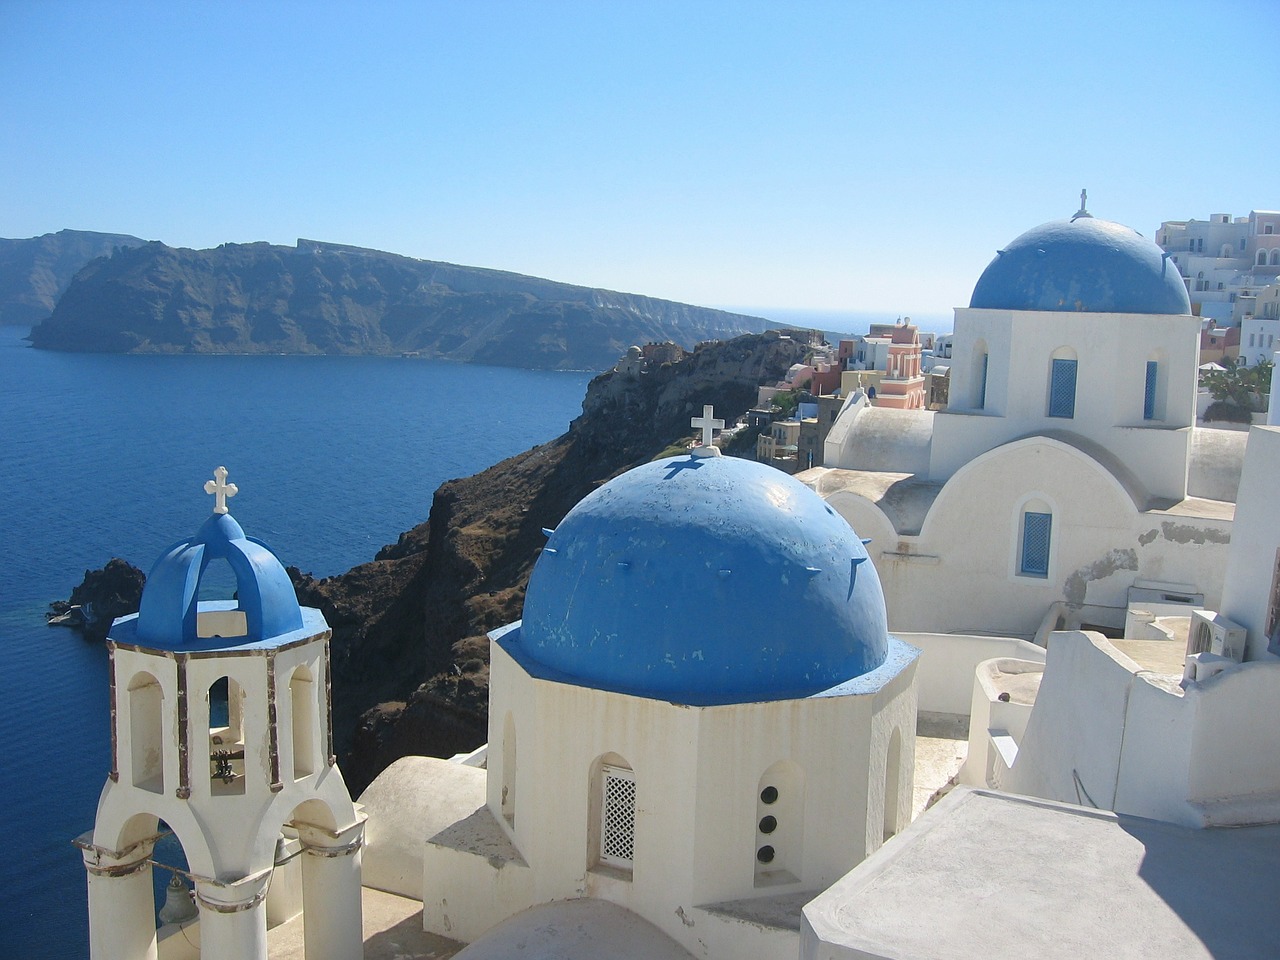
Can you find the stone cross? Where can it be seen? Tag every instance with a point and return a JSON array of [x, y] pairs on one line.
[[220, 490], [709, 425]]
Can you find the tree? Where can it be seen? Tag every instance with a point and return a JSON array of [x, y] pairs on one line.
[[1239, 385]]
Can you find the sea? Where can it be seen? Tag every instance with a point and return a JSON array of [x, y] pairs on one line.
[[106, 456]]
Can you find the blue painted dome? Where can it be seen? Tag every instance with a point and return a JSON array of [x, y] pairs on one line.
[[1082, 264], [168, 616], [704, 580]]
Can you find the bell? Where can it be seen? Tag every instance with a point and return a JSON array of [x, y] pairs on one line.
[[178, 905]]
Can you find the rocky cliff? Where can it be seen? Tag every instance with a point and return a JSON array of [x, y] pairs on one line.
[[35, 272], [328, 298]]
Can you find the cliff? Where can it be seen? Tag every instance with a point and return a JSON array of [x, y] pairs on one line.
[[409, 628], [328, 298], [35, 272]]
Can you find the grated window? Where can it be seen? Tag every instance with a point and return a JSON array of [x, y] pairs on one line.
[[618, 817], [1035, 544], [1062, 389]]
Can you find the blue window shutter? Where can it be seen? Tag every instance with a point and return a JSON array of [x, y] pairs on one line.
[[1062, 389], [1035, 544], [1149, 397], [982, 386]]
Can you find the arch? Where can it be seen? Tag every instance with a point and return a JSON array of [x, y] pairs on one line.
[[508, 797], [612, 814], [227, 769], [1262, 259], [892, 783], [981, 365], [1033, 556], [1225, 252], [779, 833], [302, 714], [1275, 256], [1155, 386], [146, 732], [1061, 386]]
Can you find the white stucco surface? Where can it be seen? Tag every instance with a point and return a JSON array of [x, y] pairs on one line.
[[1251, 569], [1009, 877], [582, 929], [413, 799]]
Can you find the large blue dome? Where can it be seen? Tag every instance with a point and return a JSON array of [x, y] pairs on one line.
[[704, 580], [1082, 264]]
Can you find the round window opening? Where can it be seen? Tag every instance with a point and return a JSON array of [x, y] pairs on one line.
[[769, 795], [768, 824], [765, 854]]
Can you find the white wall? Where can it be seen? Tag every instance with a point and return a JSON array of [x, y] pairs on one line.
[[1251, 568]]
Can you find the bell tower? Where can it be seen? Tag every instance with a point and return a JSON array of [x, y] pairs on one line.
[[221, 733]]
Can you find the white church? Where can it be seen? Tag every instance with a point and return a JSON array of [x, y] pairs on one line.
[[704, 740]]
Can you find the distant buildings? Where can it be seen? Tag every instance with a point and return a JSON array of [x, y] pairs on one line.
[[1227, 264]]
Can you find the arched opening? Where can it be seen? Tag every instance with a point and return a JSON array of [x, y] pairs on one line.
[[302, 711], [509, 770], [1225, 252], [1275, 257], [779, 833], [981, 362], [146, 732], [226, 737], [1062, 384], [1155, 385], [892, 784], [611, 833], [1262, 258], [1035, 538], [218, 582]]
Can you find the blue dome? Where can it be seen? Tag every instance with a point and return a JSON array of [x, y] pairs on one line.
[[1082, 264], [704, 580], [168, 614]]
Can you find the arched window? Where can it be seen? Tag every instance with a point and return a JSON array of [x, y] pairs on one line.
[[1062, 384], [1151, 405], [779, 824], [226, 737], [1262, 258], [613, 814], [1275, 256], [509, 770], [1035, 539], [981, 362], [302, 707], [146, 732]]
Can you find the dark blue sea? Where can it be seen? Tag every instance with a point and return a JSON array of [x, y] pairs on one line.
[[104, 456]]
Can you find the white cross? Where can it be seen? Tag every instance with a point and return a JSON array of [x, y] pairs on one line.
[[220, 490], [708, 424]]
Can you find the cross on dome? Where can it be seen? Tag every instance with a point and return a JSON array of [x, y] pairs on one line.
[[220, 489], [709, 425], [1083, 212]]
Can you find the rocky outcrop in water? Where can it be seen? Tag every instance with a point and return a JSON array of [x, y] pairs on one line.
[[333, 299], [113, 591]]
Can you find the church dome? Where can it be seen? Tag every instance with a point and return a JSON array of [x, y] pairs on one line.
[[704, 580], [171, 615], [1082, 264]]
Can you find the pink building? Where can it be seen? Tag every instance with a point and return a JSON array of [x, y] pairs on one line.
[[902, 386]]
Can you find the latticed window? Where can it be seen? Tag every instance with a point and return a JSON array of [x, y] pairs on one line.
[[1149, 396], [618, 817], [1035, 544], [1062, 389], [1273, 605], [982, 383]]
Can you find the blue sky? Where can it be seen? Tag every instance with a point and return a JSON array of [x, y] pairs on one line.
[[827, 156]]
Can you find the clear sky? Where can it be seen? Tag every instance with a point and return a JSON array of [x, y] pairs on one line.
[[821, 155]]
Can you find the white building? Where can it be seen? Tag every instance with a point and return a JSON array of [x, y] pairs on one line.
[[1066, 469], [1223, 259]]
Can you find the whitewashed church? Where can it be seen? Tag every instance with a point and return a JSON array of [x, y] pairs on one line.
[[704, 741]]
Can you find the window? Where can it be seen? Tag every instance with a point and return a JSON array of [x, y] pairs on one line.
[[1062, 389], [1262, 258], [617, 817], [1251, 343], [1149, 394], [1267, 228], [1273, 608], [1036, 529], [146, 732], [1275, 257]]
